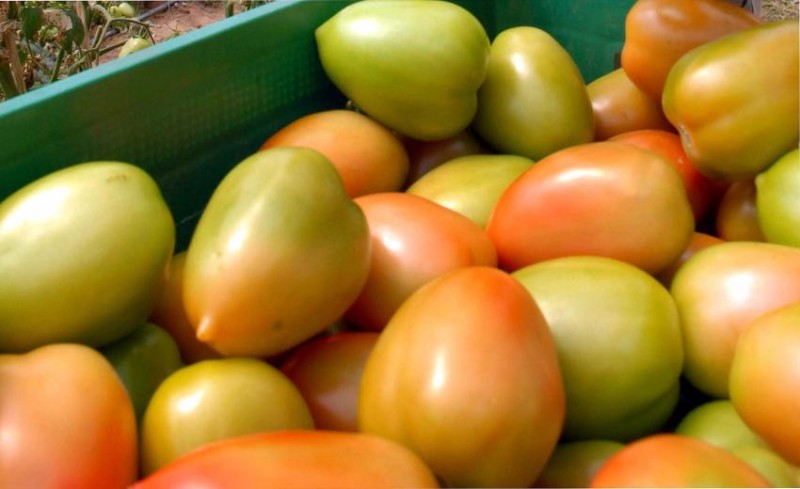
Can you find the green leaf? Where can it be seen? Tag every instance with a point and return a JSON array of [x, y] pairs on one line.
[[75, 33], [31, 18]]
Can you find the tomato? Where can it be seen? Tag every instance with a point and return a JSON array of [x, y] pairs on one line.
[[134, 44], [169, 313], [327, 371], [765, 378], [143, 359], [574, 464], [629, 388], [605, 199], [735, 108], [83, 251], [778, 200], [699, 188], [415, 66], [769, 464], [423, 156], [65, 420], [620, 106], [466, 375], [697, 242], [295, 459], [534, 101], [737, 215], [413, 241], [672, 460], [280, 252], [718, 423], [719, 291], [214, 400], [368, 156], [659, 32], [471, 185]]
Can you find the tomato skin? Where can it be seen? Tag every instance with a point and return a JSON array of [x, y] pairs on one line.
[[708, 97], [534, 100], [619, 106], [474, 333], [778, 200], [83, 251], [765, 378], [737, 215], [590, 199], [659, 32], [368, 156], [280, 252], [295, 459], [423, 156], [719, 291], [413, 240], [671, 460], [327, 371], [697, 242], [66, 420], [438, 49], [574, 464]]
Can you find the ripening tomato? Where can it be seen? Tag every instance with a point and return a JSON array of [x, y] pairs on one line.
[[413, 240], [367, 155], [765, 379], [466, 375], [327, 371], [423, 156], [699, 188], [65, 421], [720, 290], [620, 106], [574, 463], [295, 459], [697, 242], [737, 215], [604, 199], [672, 460], [659, 32]]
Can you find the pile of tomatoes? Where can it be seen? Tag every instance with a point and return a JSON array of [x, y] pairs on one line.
[[486, 272]]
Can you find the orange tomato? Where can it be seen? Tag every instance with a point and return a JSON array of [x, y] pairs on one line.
[[369, 157], [413, 240], [737, 215]]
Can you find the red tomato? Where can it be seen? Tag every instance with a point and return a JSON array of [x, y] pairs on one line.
[[327, 371], [671, 460], [368, 156], [295, 459], [699, 188], [424, 156], [65, 421], [466, 374], [737, 216], [604, 199], [413, 240], [765, 379]]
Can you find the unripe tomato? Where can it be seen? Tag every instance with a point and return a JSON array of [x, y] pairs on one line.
[[423, 156], [778, 200], [574, 463]]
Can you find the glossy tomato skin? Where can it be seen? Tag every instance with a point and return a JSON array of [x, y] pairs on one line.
[[217, 399], [719, 291], [778, 200], [295, 459], [66, 420], [423, 156], [659, 32], [438, 49], [327, 371], [699, 188], [671, 460], [619, 106], [736, 216], [603, 199], [728, 133], [697, 242], [413, 240], [629, 388], [468, 370], [280, 252], [367, 155], [83, 251], [765, 377], [534, 100]]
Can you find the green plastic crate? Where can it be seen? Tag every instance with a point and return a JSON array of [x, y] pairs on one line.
[[188, 109]]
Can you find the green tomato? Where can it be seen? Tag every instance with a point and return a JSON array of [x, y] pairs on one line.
[[617, 333], [471, 185], [143, 359], [769, 464], [83, 252], [134, 44], [214, 400], [717, 422], [414, 66], [778, 200], [534, 101], [573, 464]]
